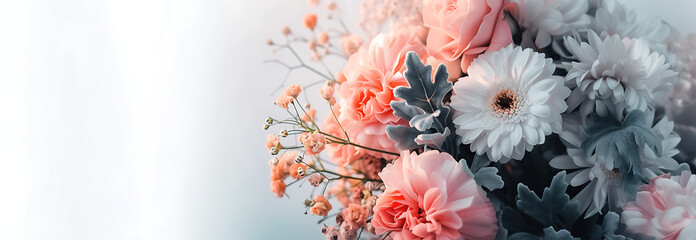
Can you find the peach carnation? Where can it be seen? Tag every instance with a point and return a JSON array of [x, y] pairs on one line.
[[372, 74], [282, 168], [314, 142], [278, 187], [316, 179], [428, 196], [284, 101], [321, 206], [355, 215], [465, 28], [664, 208], [272, 141], [293, 91]]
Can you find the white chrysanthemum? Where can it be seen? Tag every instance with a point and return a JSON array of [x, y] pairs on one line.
[[614, 18], [605, 182], [545, 18], [509, 102], [611, 74]]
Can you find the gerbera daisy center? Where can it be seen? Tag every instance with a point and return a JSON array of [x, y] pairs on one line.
[[505, 102]]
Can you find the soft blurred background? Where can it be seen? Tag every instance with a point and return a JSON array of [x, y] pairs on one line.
[[132, 119]]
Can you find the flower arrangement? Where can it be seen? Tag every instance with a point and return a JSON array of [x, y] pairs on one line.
[[489, 119]]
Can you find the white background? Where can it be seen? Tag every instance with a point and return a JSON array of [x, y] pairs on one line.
[[131, 119]]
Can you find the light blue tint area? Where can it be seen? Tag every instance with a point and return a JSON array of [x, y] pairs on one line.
[[130, 119]]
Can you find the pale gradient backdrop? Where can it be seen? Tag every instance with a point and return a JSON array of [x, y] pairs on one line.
[[132, 119]]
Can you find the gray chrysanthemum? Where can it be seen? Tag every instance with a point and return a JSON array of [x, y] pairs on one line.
[[611, 74]]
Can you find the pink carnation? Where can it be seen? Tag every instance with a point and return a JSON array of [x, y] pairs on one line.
[[315, 180], [664, 208], [428, 196], [355, 216], [372, 74], [465, 28], [272, 141], [314, 142]]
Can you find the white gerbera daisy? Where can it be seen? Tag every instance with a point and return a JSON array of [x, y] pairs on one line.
[[509, 102], [605, 182], [545, 18], [612, 74]]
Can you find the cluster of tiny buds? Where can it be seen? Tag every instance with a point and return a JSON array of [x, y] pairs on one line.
[[268, 123], [284, 133], [275, 150], [298, 159], [301, 172]]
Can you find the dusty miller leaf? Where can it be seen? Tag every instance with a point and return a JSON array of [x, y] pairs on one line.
[[422, 92], [549, 234], [607, 230], [618, 144], [486, 177], [554, 208], [429, 119]]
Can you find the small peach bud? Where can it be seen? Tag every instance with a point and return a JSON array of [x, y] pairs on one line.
[[312, 3], [331, 6], [323, 38], [310, 21], [312, 45], [285, 30]]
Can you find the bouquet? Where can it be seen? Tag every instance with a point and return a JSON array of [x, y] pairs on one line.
[[488, 119]]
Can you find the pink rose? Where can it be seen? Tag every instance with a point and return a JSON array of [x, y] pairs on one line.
[[465, 28], [372, 74]]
